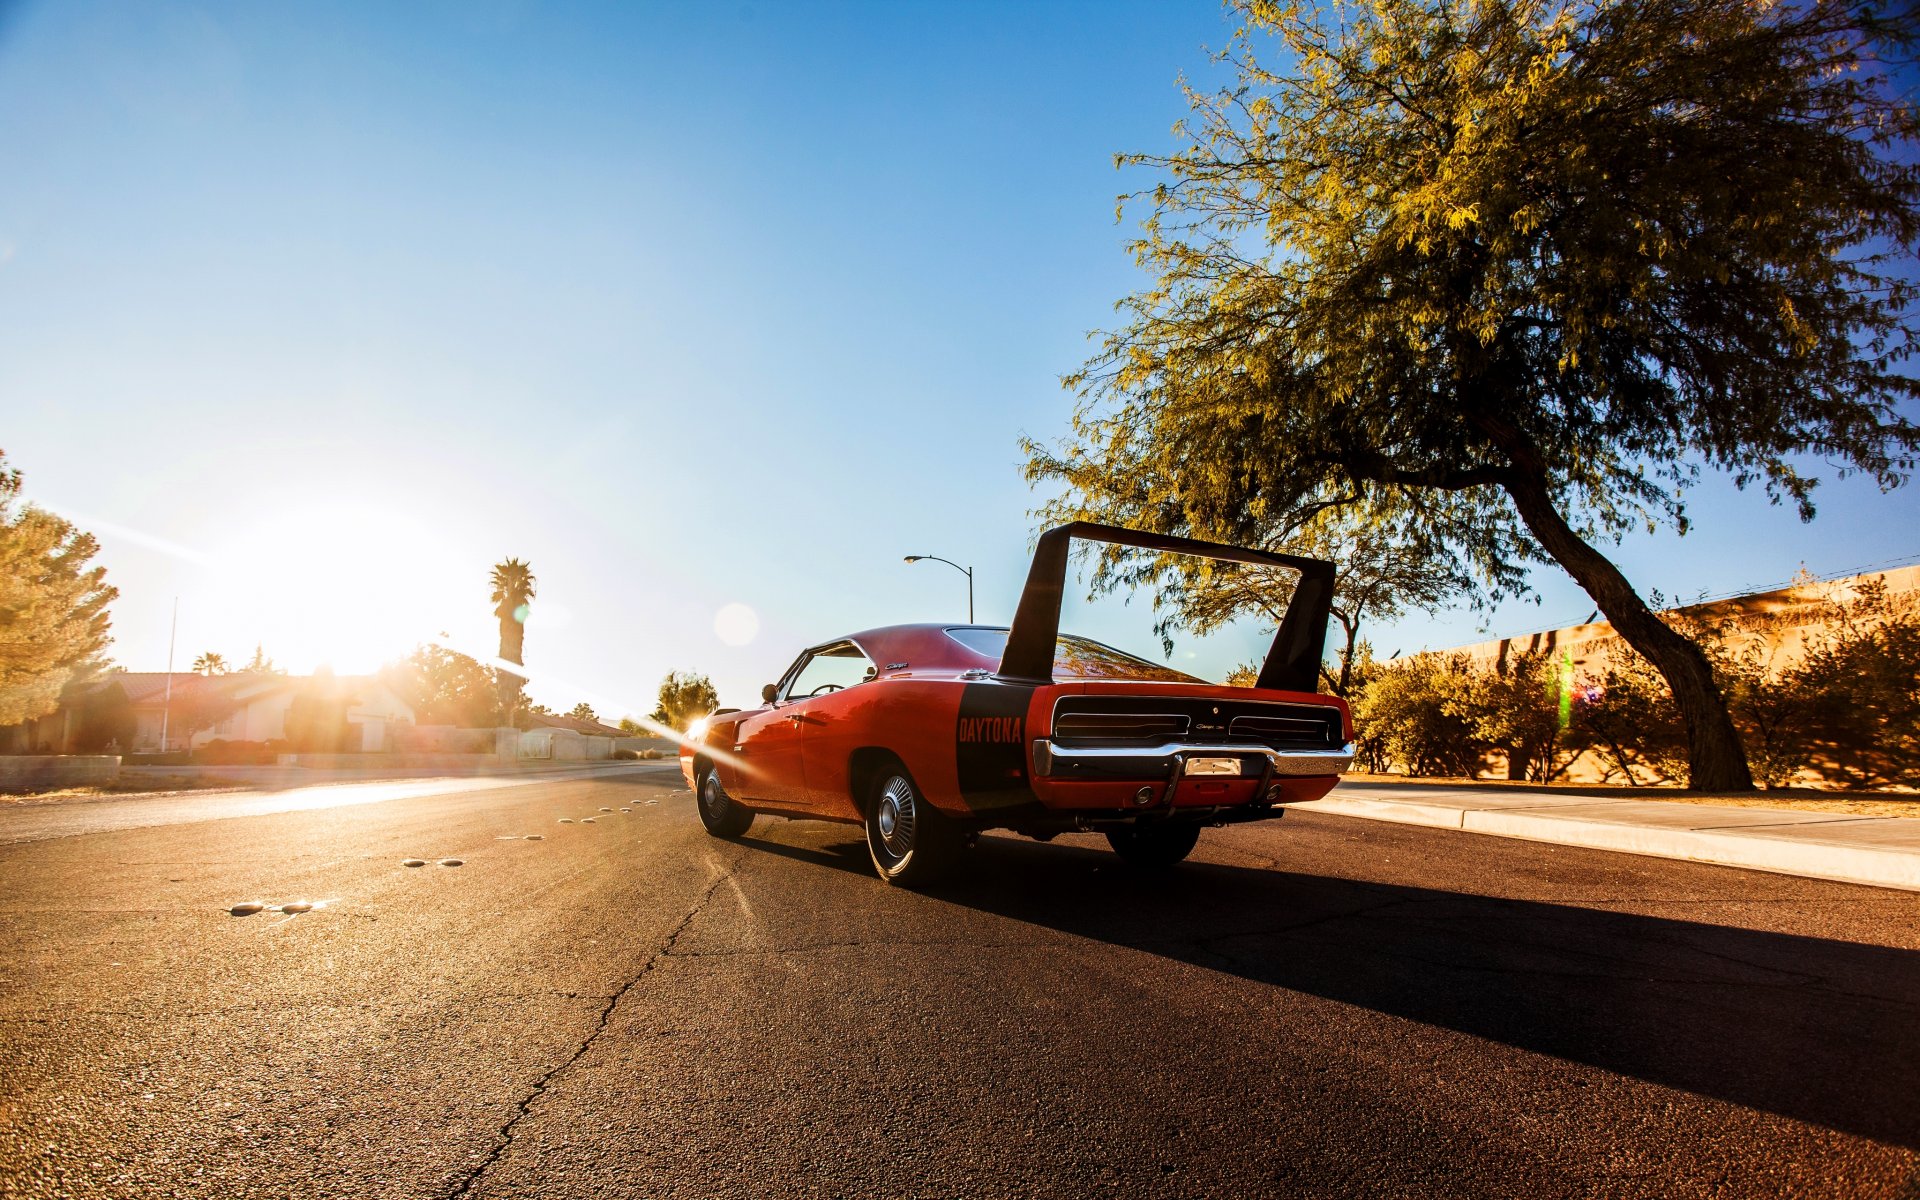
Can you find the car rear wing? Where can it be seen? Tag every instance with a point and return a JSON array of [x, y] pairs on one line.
[[1293, 663]]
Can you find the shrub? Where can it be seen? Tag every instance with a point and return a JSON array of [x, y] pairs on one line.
[[1858, 688], [1627, 717], [1524, 708], [1409, 714], [1849, 710]]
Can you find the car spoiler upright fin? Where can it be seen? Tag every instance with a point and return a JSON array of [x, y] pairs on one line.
[[1293, 663]]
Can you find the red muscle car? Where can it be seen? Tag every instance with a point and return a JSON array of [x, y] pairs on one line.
[[929, 734]]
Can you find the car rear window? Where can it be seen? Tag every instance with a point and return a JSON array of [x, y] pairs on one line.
[[1076, 657]]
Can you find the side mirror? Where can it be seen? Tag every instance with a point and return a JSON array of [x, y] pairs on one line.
[[768, 692]]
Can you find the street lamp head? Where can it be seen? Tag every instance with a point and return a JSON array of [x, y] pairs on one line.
[[967, 571]]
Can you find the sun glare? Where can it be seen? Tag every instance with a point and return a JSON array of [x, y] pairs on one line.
[[340, 586]]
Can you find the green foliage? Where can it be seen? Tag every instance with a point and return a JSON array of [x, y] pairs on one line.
[[1859, 689], [1846, 710], [583, 712], [685, 695], [1769, 707], [260, 664], [1627, 718], [1504, 276], [53, 606], [513, 586], [1523, 708], [1411, 717], [446, 688], [210, 664]]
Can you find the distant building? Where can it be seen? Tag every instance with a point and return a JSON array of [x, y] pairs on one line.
[[128, 710], [576, 724]]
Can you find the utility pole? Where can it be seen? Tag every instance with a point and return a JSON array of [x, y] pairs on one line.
[[166, 704]]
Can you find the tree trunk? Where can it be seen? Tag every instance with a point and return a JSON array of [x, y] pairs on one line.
[[1715, 759], [1352, 629], [512, 635]]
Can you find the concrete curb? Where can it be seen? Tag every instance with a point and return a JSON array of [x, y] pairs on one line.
[[1815, 845]]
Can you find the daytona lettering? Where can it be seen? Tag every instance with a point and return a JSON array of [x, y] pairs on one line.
[[992, 729]]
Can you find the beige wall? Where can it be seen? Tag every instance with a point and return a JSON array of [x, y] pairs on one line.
[[1796, 608]]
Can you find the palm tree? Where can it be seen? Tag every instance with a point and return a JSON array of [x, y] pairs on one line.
[[513, 588], [210, 664]]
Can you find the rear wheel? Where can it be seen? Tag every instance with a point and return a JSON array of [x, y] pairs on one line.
[[912, 843], [720, 813], [1154, 845]]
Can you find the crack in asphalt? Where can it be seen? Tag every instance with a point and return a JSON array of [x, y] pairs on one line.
[[524, 1107]]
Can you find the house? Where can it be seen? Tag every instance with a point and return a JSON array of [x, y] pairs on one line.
[[550, 735], [133, 711], [578, 725]]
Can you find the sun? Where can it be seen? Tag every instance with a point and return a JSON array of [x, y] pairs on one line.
[[348, 586]]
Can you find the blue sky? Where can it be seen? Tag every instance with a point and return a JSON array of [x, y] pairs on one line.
[[690, 305]]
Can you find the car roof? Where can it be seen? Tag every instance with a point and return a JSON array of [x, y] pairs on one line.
[[923, 645]]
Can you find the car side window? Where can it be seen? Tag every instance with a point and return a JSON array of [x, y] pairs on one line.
[[830, 669]]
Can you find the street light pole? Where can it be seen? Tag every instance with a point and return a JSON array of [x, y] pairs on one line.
[[967, 571]]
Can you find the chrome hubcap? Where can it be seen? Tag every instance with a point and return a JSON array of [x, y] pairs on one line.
[[710, 795], [894, 817]]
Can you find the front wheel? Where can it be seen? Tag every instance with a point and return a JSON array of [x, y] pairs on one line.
[[911, 842], [1154, 845], [723, 816]]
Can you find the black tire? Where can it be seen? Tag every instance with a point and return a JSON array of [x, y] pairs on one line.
[[723, 816], [912, 843], [1154, 845]]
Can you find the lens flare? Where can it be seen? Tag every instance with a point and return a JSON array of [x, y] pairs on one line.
[[736, 624], [600, 702]]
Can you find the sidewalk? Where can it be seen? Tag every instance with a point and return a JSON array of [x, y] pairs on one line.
[[1882, 851]]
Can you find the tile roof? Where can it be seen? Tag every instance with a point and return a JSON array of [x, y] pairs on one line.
[[150, 687], [560, 721]]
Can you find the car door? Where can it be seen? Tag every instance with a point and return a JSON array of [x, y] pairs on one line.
[[768, 766], [831, 728], [772, 743]]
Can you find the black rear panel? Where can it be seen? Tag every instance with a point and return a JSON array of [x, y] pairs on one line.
[[990, 745], [1120, 728], [1105, 720]]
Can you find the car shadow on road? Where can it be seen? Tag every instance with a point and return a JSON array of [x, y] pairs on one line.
[[1822, 1031]]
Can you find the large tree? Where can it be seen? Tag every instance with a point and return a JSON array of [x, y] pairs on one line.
[[512, 596], [445, 687], [684, 695], [1511, 274], [53, 605]]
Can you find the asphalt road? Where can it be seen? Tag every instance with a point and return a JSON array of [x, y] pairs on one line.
[[1315, 1007]]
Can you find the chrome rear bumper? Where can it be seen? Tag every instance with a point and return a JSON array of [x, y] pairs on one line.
[[1053, 761]]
